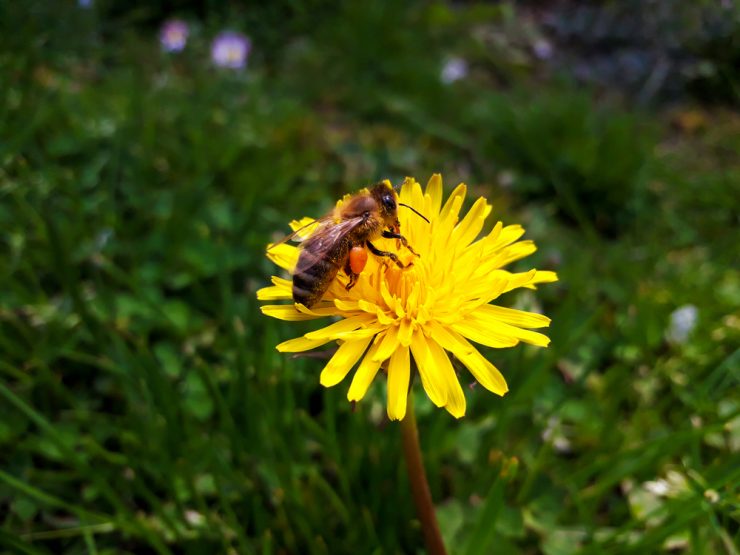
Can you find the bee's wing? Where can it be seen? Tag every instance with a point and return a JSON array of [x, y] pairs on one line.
[[321, 241], [314, 223]]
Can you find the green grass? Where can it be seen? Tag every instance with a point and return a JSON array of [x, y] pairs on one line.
[[143, 406]]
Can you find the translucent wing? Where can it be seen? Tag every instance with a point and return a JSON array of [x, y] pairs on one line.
[[316, 224], [321, 242]]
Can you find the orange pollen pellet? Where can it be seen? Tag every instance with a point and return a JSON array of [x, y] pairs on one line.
[[357, 259]]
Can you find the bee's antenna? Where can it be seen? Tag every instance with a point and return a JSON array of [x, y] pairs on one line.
[[414, 211]]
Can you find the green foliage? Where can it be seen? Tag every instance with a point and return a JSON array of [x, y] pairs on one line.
[[589, 159], [144, 408]]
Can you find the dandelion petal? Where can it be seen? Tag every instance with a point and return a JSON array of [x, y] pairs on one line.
[[398, 383], [289, 312], [530, 279], [449, 339], [488, 336], [284, 255], [516, 251], [432, 379], [471, 225], [453, 204], [481, 325], [483, 371], [274, 293], [341, 327], [406, 194], [300, 344], [342, 361], [404, 332], [364, 375], [434, 190], [388, 344], [442, 365], [512, 316]]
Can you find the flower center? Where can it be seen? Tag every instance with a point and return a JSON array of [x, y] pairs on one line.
[[233, 53], [405, 296]]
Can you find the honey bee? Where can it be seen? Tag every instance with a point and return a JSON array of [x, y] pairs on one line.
[[341, 238]]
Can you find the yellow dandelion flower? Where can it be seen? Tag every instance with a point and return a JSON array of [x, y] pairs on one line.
[[435, 307]]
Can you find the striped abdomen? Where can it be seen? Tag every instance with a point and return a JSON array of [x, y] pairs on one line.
[[313, 274]]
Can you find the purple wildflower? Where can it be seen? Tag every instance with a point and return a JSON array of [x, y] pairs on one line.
[[230, 49], [683, 320], [174, 35], [543, 49], [454, 70]]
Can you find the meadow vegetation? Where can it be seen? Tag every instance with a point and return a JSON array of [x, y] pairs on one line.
[[143, 406]]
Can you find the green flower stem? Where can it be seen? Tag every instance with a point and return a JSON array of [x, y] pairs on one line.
[[419, 484]]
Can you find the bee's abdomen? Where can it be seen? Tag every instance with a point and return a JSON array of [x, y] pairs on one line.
[[312, 277]]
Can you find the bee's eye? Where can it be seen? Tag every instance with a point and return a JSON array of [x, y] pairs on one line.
[[388, 202]]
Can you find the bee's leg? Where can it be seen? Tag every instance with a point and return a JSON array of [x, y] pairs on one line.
[[352, 275], [390, 234], [377, 252]]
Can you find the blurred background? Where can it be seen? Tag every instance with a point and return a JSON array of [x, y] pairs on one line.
[[149, 152]]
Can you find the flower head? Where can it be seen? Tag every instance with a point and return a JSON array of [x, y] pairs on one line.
[[543, 49], [230, 49], [682, 322], [454, 70], [174, 35], [435, 307]]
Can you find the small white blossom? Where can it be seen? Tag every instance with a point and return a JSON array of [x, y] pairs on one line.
[[454, 70], [682, 322], [658, 487], [543, 49]]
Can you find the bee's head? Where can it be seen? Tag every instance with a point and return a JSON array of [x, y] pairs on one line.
[[387, 200]]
